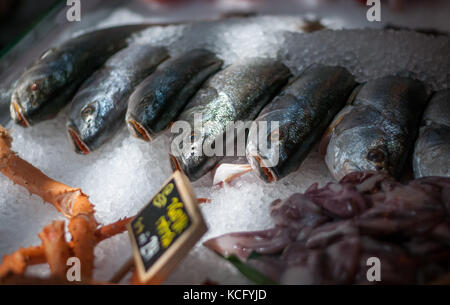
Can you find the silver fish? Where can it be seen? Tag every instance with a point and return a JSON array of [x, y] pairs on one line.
[[50, 83], [160, 98], [432, 150], [98, 108], [376, 131], [303, 109], [237, 93]]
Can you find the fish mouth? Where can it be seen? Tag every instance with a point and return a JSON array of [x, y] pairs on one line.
[[174, 163], [138, 131], [78, 144], [267, 173], [347, 167], [17, 114]]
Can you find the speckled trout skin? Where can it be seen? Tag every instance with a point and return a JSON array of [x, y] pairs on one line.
[[377, 130], [98, 108], [303, 109], [160, 98], [432, 149], [237, 93], [49, 84]]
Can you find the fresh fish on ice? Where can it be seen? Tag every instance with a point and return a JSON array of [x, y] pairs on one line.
[[303, 109], [49, 84], [237, 93]]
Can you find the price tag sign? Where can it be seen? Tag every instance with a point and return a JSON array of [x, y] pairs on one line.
[[166, 229]]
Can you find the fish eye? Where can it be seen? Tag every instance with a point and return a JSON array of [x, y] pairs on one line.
[[376, 155], [87, 111], [34, 86], [275, 135]]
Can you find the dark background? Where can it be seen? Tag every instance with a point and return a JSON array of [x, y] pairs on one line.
[[16, 16]]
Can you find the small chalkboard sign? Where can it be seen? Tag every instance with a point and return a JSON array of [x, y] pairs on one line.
[[166, 229]]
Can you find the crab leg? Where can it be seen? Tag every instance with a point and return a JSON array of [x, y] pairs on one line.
[[17, 262], [82, 227], [31, 178], [71, 202], [56, 249], [112, 229]]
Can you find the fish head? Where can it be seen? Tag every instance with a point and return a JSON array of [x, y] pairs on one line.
[[35, 89], [137, 116], [85, 126], [358, 149], [194, 153], [265, 150], [193, 166]]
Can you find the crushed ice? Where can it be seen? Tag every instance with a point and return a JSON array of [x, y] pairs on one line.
[[123, 175]]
